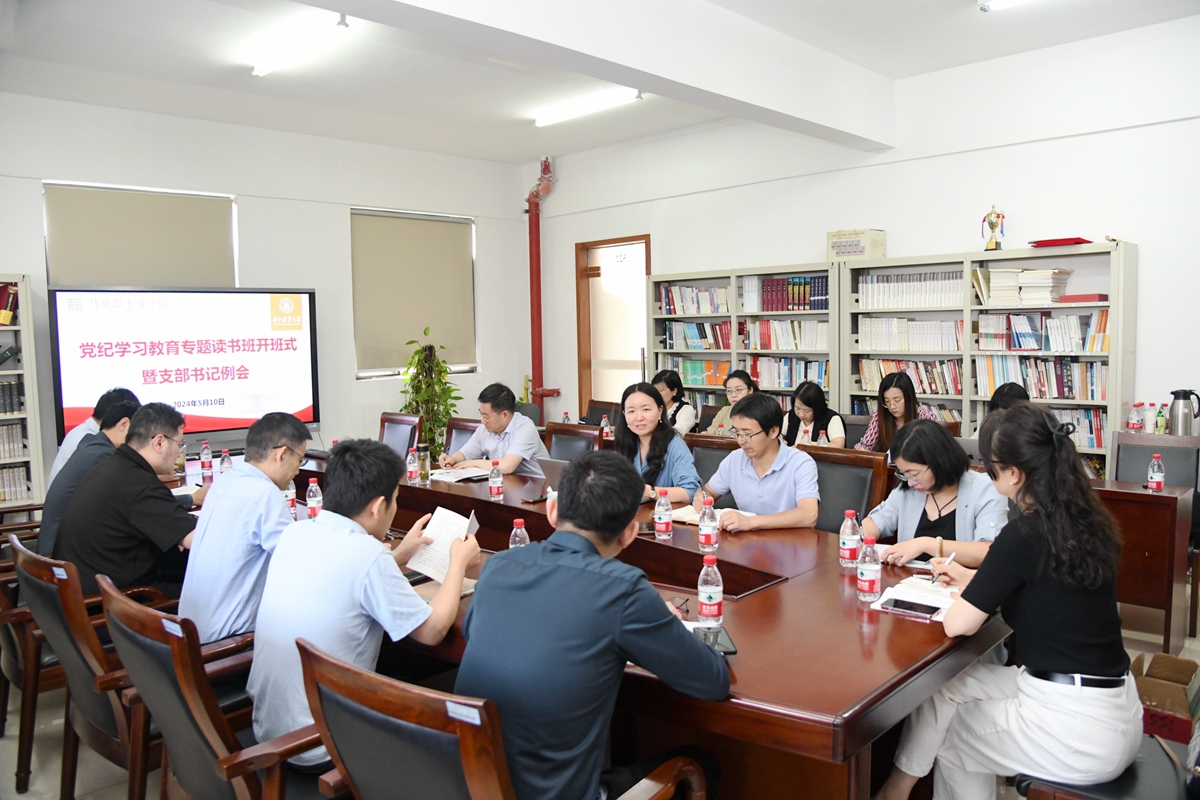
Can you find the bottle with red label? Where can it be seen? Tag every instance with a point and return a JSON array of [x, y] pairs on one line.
[[870, 572], [1156, 476], [496, 482], [711, 591], [289, 498], [708, 527], [720, 429], [606, 430], [313, 499], [206, 472], [849, 540], [519, 536], [412, 467], [663, 527]]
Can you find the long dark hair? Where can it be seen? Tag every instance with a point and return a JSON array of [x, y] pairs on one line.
[[924, 441], [670, 378], [627, 441], [1083, 547], [887, 421], [812, 396]]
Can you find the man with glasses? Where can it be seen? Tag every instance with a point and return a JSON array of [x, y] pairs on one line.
[[507, 436], [777, 484], [123, 521], [240, 524]]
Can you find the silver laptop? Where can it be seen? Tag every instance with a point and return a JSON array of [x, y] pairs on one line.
[[971, 448], [552, 468]]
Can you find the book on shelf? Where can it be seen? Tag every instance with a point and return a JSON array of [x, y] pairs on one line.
[[908, 335], [1042, 285], [771, 372], [680, 299], [696, 372], [699, 399], [1055, 378], [1083, 298], [8, 302], [14, 484], [938, 289], [866, 406], [795, 293], [1069, 333], [928, 377], [979, 277], [784, 334], [697, 335], [12, 440]]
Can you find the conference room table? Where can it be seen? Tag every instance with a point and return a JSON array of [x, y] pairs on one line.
[[818, 676]]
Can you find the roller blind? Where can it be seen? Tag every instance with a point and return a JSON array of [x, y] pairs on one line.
[[411, 273], [115, 237]]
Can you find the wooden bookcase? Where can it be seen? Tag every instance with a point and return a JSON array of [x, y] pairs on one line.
[[20, 430]]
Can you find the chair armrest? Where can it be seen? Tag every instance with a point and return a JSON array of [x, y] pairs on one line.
[[229, 666], [18, 614], [226, 647], [269, 753], [109, 681], [660, 784], [332, 783]]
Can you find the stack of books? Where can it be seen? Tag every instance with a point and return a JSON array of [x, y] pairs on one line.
[[12, 440], [1003, 287], [929, 377], [676, 299], [786, 373], [1039, 286]]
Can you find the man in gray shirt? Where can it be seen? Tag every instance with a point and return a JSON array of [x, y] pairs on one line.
[[506, 435]]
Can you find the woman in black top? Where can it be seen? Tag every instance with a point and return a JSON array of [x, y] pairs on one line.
[[1071, 713], [810, 415]]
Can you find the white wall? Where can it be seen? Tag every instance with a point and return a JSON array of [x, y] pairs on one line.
[[1093, 138], [294, 193]]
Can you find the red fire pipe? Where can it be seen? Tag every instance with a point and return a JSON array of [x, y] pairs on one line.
[[534, 210]]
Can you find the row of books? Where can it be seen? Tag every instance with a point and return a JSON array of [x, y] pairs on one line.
[[11, 398], [695, 372], [786, 373], [1070, 333], [679, 299], [1028, 286], [784, 334], [910, 335], [699, 398], [12, 440], [866, 406], [910, 290], [697, 335], [14, 484], [785, 294], [1057, 378], [1090, 425], [928, 377]]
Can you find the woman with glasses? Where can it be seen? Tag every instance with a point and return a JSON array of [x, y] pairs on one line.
[[939, 499], [810, 415], [1071, 713], [680, 413], [898, 406], [738, 385], [644, 436]]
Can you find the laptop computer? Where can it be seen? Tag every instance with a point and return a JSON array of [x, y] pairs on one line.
[[971, 448], [552, 468]]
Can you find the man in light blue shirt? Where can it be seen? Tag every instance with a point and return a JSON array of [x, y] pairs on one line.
[[506, 435], [240, 524], [87, 427], [777, 483]]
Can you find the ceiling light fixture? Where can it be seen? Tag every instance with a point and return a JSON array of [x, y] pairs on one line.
[[582, 106], [1000, 5], [299, 40]]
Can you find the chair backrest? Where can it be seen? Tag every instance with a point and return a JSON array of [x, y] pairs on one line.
[[708, 452], [707, 415], [953, 426], [400, 431], [533, 411], [458, 432], [847, 479], [856, 426], [567, 442], [52, 591], [161, 654], [1132, 453], [598, 408], [392, 740]]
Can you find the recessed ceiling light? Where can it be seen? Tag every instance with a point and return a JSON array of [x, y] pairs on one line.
[[1000, 5], [582, 106], [298, 40]]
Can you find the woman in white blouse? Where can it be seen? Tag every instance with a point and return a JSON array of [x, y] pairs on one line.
[[680, 414]]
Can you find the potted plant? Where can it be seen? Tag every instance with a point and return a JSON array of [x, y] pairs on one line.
[[429, 393]]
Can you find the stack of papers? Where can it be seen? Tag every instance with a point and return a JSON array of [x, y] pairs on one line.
[[445, 526], [456, 475], [1040, 286], [688, 515], [919, 590], [1003, 287]]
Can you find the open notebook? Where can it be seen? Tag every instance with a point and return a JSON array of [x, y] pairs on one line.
[[688, 515]]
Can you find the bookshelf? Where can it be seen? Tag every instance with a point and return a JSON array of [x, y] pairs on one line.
[[22, 476]]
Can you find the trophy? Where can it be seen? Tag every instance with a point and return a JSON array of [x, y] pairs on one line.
[[993, 219]]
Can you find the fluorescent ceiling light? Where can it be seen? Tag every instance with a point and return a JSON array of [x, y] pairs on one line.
[[298, 40], [1000, 5], [582, 106]]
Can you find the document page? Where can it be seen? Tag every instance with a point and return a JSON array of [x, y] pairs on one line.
[[444, 527], [456, 475], [688, 515]]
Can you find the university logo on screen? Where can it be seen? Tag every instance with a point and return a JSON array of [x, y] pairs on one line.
[[285, 313]]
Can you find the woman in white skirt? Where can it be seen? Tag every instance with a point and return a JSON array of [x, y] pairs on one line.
[[1071, 713]]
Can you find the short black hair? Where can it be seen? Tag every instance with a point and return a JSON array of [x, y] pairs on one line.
[[149, 421], [271, 431], [812, 396], [499, 397], [358, 471], [118, 411], [671, 379], [742, 376], [1006, 395], [117, 395], [760, 407], [599, 493], [924, 441]]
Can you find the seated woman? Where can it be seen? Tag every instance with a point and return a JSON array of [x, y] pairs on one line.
[[809, 416], [680, 413], [778, 484], [938, 497], [737, 385], [656, 450], [898, 406], [1071, 713]]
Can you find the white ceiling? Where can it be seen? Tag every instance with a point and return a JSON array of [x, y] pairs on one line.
[[394, 87]]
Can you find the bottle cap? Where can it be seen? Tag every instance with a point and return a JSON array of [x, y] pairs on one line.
[[334, 442], [851, 513], [312, 481], [662, 492], [205, 442], [710, 561], [869, 540], [422, 447], [412, 449], [1157, 455], [822, 433], [224, 452], [708, 501], [518, 523], [495, 463]]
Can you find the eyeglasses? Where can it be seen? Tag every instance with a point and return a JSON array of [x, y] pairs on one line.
[[736, 391], [743, 437], [178, 442], [299, 455], [911, 479], [894, 403]]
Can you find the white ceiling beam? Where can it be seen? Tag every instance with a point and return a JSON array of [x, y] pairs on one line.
[[686, 50]]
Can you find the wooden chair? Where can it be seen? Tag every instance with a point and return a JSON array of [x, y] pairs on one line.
[[847, 479], [954, 427], [400, 431], [164, 660], [566, 442], [1152, 776], [394, 740], [856, 426], [707, 415], [597, 409], [708, 452], [458, 432]]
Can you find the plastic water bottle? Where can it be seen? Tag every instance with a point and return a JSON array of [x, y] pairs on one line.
[[519, 536], [849, 540], [1157, 474], [566, 418], [411, 468], [708, 527], [720, 429], [870, 572], [206, 474], [711, 591], [1135, 422], [495, 482], [289, 497], [605, 427], [822, 439], [226, 462], [663, 527], [313, 499]]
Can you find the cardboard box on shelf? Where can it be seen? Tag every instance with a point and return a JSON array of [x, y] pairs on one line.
[[856, 245], [1169, 688]]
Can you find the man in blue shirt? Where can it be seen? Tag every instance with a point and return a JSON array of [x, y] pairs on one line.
[[778, 484], [507, 436], [240, 524], [91, 425], [552, 626]]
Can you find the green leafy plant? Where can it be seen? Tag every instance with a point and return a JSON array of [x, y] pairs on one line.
[[429, 393]]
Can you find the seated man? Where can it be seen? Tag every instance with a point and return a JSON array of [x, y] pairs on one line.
[[86, 428], [551, 627], [239, 526], [123, 521], [507, 436], [778, 484], [333, 582]]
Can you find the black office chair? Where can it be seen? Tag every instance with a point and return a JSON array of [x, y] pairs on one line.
[[400, 431], [533, 411], [458, 432], [707, 415], [855, 425], [708, 452], [842, 487], [568, 442], [1152, 776]]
